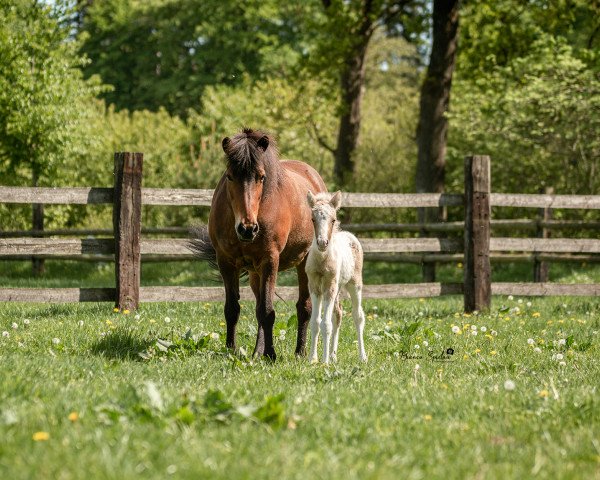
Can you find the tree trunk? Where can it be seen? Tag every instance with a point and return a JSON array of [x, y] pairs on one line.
[[352, 81], [352, 84], [435, 98]]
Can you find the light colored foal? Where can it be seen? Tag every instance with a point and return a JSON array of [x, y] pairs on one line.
[[334, 261]]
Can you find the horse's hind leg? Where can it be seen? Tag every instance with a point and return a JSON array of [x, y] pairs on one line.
[[303, 309], [338, 312], [355, 291], [231, 280]]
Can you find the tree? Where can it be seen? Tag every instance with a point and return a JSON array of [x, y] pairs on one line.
[[435, 99], [165, 53], [43, 96], [353, 24]]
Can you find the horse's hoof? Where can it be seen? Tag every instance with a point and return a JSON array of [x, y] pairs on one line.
[[363, 359], [270, 355], [314, 360]]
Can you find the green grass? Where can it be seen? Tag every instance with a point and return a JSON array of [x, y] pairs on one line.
[[190, 409]]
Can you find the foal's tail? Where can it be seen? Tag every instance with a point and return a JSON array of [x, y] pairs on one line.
[[201, 246]]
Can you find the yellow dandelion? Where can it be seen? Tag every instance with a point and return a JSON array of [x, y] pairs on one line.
[[421, 300], [477, 350], [459, 265], [125, 312], [465, 356], [116, 310], [535, 314], [222, 324], [108, 322], [487, 335], [73, 416], [543, 393], [427, 417], [40, 436], [493, 352]]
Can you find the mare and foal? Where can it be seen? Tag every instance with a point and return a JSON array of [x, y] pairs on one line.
[[260, 223]]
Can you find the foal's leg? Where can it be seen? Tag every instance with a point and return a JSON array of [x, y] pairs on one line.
[[338, 312], [303, 308], [231, 279], [327, 324], [315, 324], [355, 291]]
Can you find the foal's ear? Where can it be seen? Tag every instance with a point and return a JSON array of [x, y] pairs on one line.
[[336, 200], [311, 199], [263, 143], [225, 143]]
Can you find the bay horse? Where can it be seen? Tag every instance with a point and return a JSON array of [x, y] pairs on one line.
[[260, 223]]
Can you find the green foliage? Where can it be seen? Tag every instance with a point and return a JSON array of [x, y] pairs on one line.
[[536, 116], [44, 101], [165, 53]]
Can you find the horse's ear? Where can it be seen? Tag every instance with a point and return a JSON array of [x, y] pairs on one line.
[[311, 199], [263, 143], [336, 200], [225, 143]]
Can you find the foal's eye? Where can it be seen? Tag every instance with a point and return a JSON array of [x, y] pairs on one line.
[[261, 178], [229, 177]]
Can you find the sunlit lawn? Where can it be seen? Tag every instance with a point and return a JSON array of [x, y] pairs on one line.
[[517, 397]]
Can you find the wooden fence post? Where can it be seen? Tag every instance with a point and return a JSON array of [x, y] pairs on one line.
[[541, 269], [127, 225], [477, 269]]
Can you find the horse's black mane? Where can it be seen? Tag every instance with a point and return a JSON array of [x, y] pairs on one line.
[[244, 155]]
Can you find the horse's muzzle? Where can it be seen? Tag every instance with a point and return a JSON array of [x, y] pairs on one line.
[[247, 233]]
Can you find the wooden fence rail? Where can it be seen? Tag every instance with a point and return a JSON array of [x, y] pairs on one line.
[[125, 246]]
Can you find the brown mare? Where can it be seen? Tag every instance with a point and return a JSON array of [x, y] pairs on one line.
[[260, 223]]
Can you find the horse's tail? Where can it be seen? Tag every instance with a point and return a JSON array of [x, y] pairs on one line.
[[201, 246]]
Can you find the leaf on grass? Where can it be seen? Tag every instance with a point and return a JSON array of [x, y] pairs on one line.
[[272, 412], [163, 345]]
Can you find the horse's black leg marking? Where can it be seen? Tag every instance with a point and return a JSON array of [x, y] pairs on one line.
[[231, 279], [259, 348], [265, 311], [303, 309]]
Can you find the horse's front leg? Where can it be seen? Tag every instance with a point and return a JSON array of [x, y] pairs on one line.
[[303, 308], [265, 312], [231, 280]]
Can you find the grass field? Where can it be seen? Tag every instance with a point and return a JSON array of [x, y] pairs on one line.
[[88, 392]]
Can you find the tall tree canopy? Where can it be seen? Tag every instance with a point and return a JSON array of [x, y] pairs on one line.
[[166, 52]]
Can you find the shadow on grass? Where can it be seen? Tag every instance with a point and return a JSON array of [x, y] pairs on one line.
[[121, 344]]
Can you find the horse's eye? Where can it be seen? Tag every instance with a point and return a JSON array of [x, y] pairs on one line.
[[229, 177], [261, 178]]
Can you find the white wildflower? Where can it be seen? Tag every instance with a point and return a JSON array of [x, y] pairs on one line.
[[562, 364], [417, 347], [5, 334], [473, 327], [455, 329], [56, 341], [167, 320], [528, 304], [474, 333], [483, 329], [493, 333], [417, 367], [530, 341], [214, 336], [510, 297], [26, 321], [425, 343], [15, 325], [562, 341], [509, 385], [559, 356], [80, 323]]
